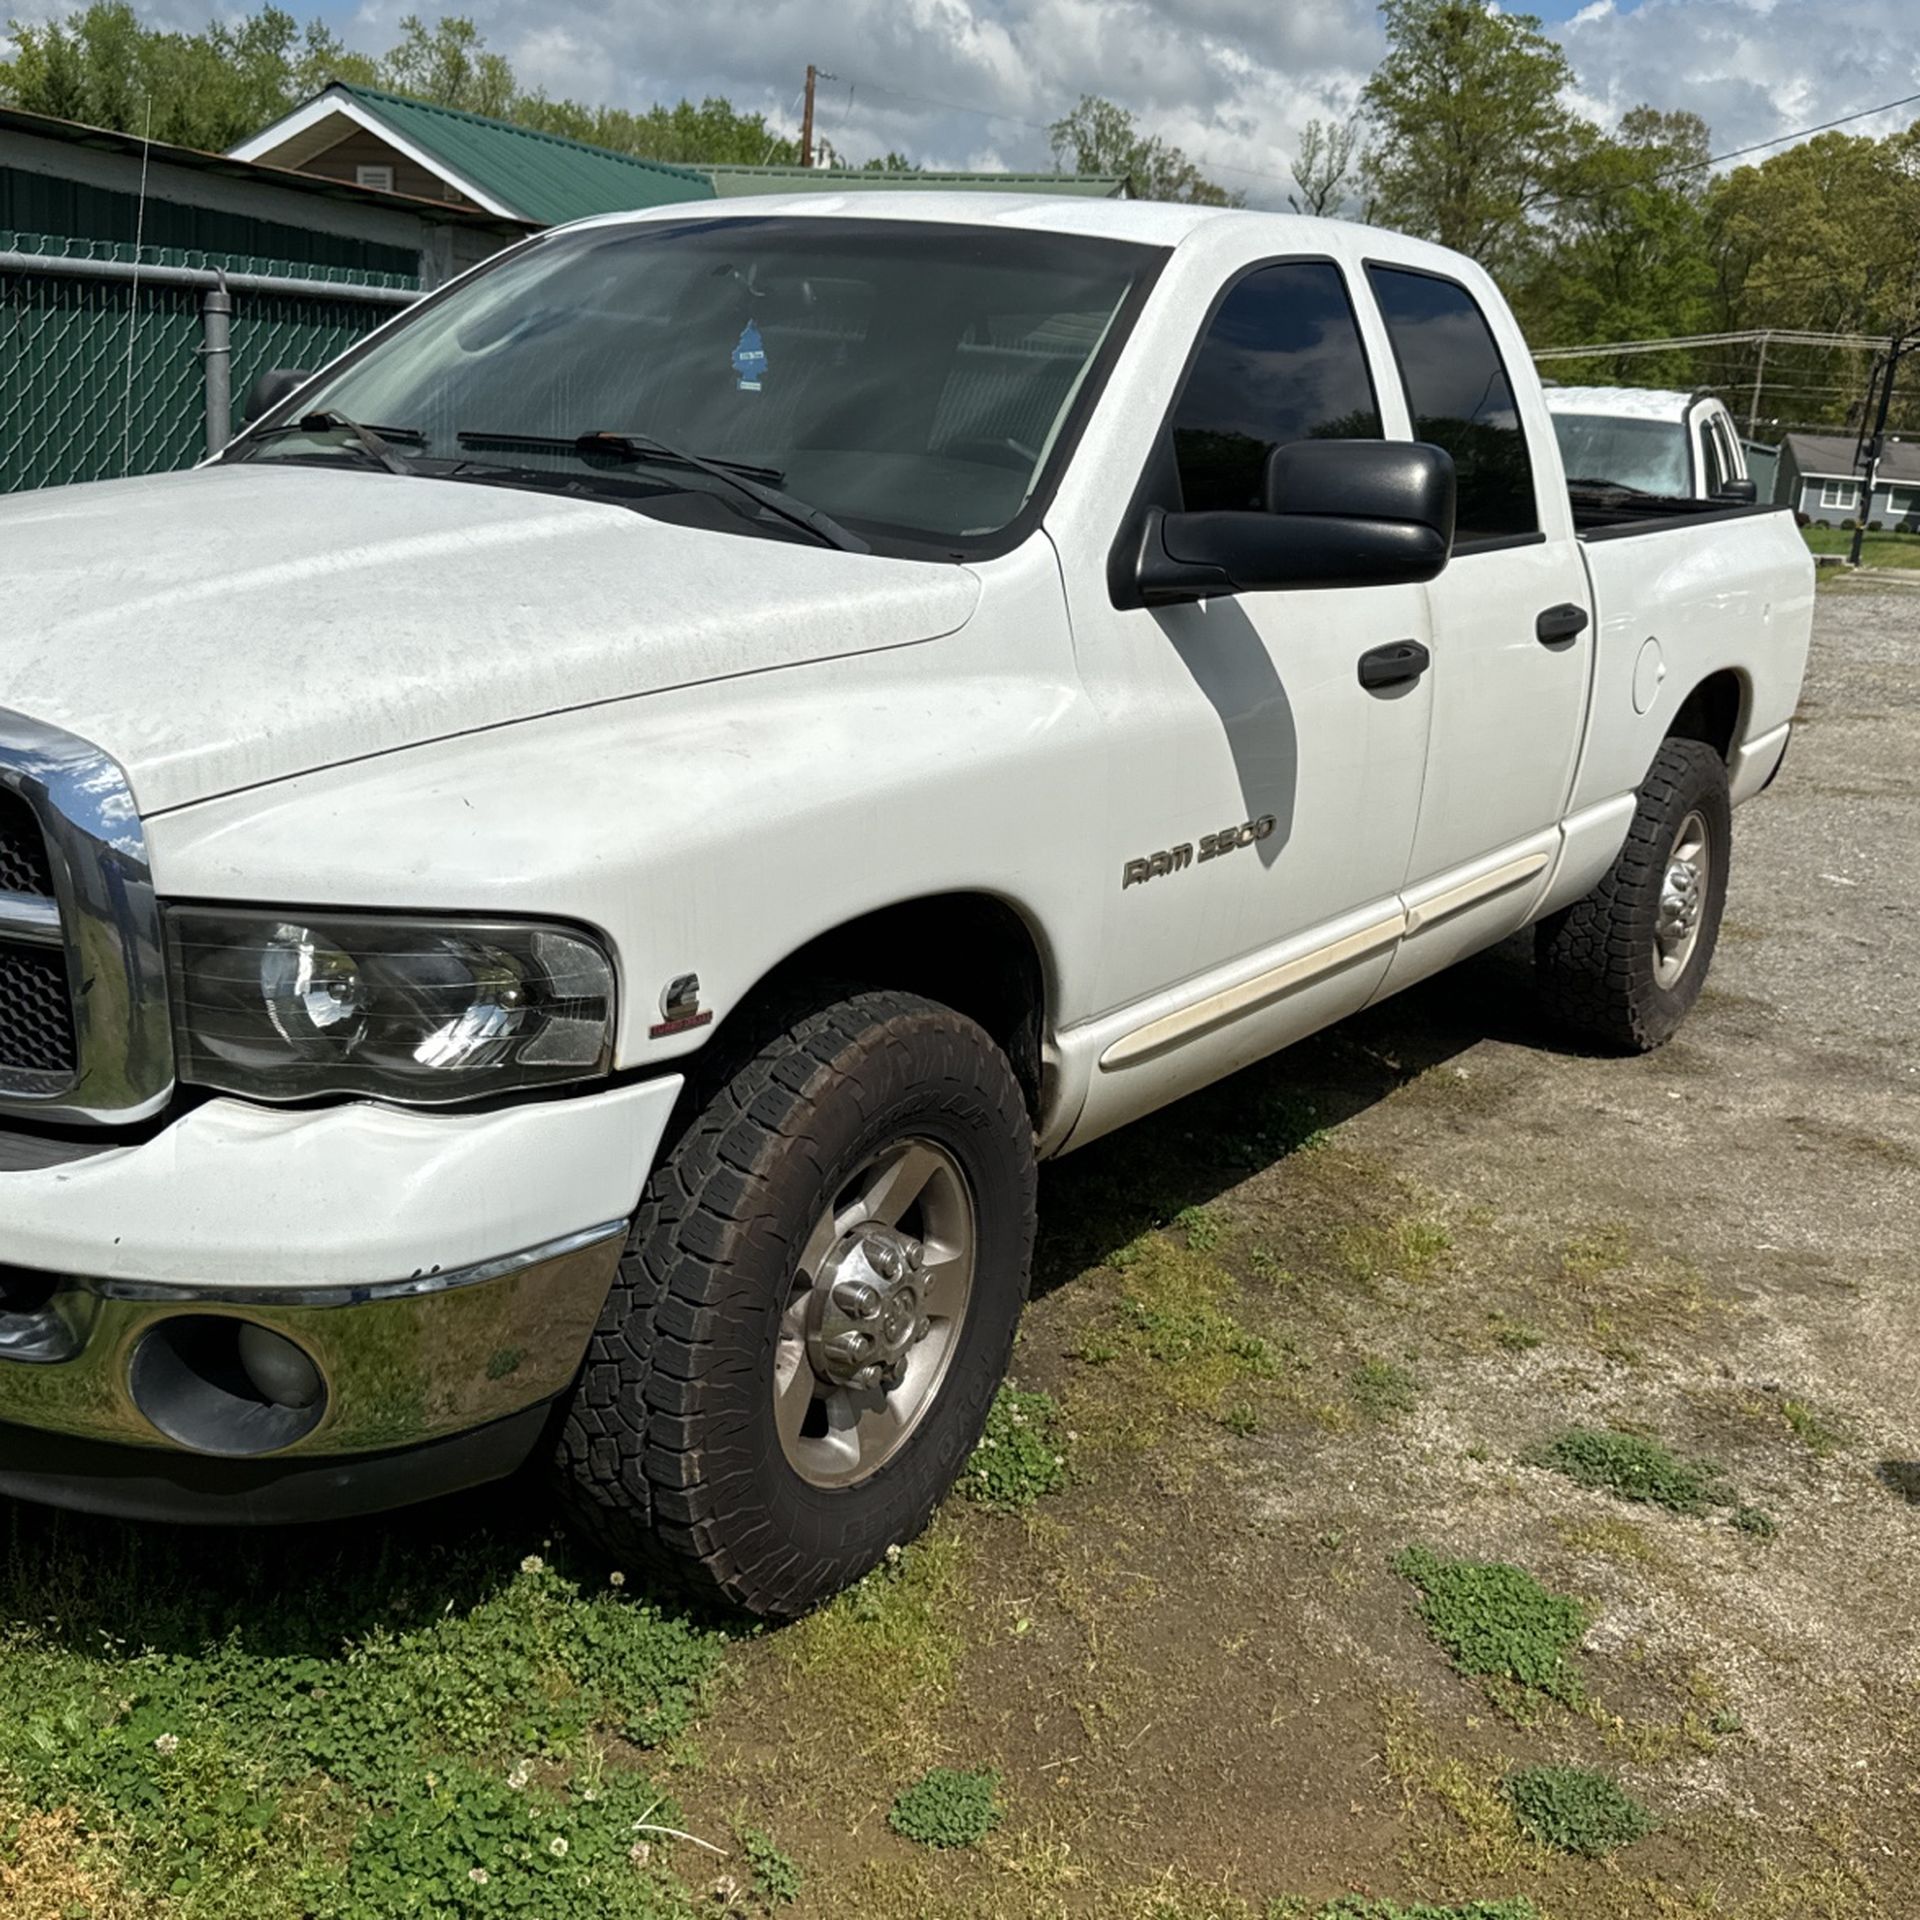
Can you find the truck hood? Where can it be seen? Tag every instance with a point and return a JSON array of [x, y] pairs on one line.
[[238, 624]]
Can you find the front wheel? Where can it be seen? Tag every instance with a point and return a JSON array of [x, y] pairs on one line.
[[816, 1304], [1626, 964]]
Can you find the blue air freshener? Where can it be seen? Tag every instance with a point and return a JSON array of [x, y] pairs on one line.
[[749, 359]]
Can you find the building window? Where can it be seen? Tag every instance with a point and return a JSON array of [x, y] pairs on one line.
[[1903, 502], [1844, 494], [379, 178]]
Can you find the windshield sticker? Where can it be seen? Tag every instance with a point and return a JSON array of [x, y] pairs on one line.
[[750, 359]]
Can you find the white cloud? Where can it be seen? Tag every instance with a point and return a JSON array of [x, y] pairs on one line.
[[1231, 81]]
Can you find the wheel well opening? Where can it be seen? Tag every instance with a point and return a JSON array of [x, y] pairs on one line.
[[968, 951], [1711, 712]]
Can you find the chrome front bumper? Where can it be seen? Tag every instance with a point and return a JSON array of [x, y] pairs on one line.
[[398, 1364]]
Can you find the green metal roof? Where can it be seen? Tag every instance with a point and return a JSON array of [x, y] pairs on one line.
[[732, 179], [541, 176]]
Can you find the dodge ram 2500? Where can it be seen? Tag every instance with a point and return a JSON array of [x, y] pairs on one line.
[[553, 895]]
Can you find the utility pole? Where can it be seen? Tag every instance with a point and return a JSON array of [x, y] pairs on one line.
[[806, 119], [1759, 380], [1875, 443]]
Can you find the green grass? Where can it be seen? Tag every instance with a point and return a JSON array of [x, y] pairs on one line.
[[1876, 550], [1021, 1455], [948, 1807], [1497, 1622], [344, 1732], [1633, 1467], [1576, 1810]]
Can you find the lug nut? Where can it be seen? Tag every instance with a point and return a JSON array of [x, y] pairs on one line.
[[856, 1299], [916, 1256], [851, 1345], [867, 1377], [884, 1258]]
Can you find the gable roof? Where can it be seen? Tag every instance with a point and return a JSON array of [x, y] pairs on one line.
[[541, 177], [1829, 456], [545, 178]]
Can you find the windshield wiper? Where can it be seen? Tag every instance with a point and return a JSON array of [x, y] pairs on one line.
[[759, 484], [1593, 485], [372, 441]]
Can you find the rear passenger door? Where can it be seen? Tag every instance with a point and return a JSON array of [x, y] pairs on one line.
[[1512, 634]]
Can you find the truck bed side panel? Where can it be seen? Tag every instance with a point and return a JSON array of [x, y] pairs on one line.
[[1675, 604]]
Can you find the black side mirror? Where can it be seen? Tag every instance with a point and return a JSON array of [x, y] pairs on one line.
[[1338, 513], [269, 389], [1739, 493]]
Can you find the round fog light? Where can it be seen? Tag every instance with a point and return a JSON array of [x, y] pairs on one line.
[[223, 1385]]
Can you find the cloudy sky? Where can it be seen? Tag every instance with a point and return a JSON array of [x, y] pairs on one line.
[[973, 82]]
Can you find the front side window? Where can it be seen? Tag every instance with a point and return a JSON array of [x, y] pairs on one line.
[[1839, 493], [1281, 361], [910, 380], [1461, 399]]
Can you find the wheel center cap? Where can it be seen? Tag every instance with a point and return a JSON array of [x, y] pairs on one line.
[[865, 1317]]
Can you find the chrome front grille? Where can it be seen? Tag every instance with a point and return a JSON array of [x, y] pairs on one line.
[[23, 851], [84, 1033], [36, 1013]]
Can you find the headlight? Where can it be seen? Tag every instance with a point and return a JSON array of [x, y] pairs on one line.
[[285, 1007]]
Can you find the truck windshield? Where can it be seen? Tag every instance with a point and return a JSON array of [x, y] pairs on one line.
[[1650, 456], [907, 379]]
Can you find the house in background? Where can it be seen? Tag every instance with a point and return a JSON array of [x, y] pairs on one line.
[[63, 184], [1818, 478], [392, 142]]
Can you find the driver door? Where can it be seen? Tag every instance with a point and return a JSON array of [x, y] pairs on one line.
[[1261, 802]]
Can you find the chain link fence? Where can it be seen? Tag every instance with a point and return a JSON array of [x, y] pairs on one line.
[[105, 367]]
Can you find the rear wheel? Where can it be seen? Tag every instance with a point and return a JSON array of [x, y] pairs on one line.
[[1627, 963], [815, 1307]]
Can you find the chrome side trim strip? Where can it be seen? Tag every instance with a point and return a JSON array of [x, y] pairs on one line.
[[1426, 912], [108, 921], [30, 918], [414, 1287], [1188, 1023]]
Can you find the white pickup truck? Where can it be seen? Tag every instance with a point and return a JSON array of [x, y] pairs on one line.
[[552, 896], [1651, 441]]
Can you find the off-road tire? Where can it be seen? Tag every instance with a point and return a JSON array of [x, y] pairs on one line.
[[668, 1457], [1596, 958]]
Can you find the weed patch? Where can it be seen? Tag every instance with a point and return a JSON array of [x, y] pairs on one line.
[[1632, 1467], [775, 1879], [1021, 1455], [1382, 1391], [340, 1754], [1576, 1810], [948, 1807], [1497, 1622]]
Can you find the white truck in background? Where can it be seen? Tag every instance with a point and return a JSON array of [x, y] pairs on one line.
[[553, 896], [1645, 440]]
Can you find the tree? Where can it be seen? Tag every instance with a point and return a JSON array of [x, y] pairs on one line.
[[1099, 136], [1322, 169], [1625, 253], [449, 65], [1470, 132]]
